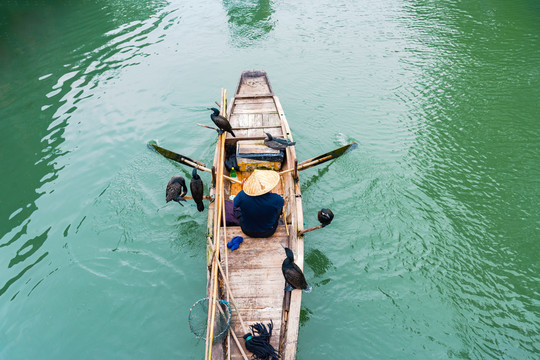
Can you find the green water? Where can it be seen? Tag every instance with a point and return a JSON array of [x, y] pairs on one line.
[[434, 251]]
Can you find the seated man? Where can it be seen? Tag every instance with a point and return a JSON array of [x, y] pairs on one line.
[[260, 209]]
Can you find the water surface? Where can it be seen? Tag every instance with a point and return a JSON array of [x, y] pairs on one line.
[[434, 250]]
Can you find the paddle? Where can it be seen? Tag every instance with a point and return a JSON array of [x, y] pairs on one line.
[[331, 155], [185, 160]]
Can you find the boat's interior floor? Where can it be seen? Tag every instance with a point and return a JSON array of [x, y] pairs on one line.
[[256, 281]]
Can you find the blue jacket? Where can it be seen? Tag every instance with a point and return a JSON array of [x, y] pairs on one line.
[[259, 213]]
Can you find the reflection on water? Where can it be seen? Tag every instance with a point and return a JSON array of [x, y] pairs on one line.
[[468, 152], [318, 262], [46, 73], [249, 21]]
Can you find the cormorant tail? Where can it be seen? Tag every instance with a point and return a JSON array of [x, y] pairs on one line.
[[200, 206]]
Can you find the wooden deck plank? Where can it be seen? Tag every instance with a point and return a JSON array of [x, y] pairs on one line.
[[257, 302], [255, 107], [257, 286], [256, 274], [272, 119], [254, 86], [235, 120], [255, 100]]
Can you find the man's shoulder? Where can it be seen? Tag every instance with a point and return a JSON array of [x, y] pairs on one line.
[[240, 196], [277, 198]]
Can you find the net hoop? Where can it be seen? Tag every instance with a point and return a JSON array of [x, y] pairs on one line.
[[201, 332]]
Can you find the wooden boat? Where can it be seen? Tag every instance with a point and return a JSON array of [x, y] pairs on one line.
[[254, 282]]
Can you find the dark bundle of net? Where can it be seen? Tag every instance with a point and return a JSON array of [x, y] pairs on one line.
[[258, 342]]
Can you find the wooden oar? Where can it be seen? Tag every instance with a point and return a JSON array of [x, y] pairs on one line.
[[186, 161], [176, 157], [323, 158]]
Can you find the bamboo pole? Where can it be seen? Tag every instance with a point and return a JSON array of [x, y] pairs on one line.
[[226, 275], [239, 346], [283, 212], [235, 336], [228, 288], [217, 229]]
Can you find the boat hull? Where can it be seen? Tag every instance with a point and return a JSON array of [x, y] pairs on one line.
[[253, 271]]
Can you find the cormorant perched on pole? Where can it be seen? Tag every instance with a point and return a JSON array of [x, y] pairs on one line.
[[196, 187], [292, 273], [222, 123], [176, 189], [277, 143]]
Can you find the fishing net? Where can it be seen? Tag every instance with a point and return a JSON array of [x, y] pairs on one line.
[[198, 316]]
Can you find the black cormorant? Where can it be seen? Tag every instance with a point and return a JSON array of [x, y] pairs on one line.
[[176, 189], [196, 187], [325, 216], [292, 273], [222, 123], [277, 143]]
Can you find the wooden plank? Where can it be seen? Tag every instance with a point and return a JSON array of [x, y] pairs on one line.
[[254, 104], [244, 120], [258, 286], [273, 119], [234, 120], [255, 147], [259, 315], [255, 107], [252, 100], [258, 127], [258, 302], [253, 86], [256, 121]]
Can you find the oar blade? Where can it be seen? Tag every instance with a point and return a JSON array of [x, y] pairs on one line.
[[174, 156], [331, 155]]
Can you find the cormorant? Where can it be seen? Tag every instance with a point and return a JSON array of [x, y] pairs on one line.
[[292, 273], [176, 189], [222, 123], [196, 187], [277, 143], [325, 216]]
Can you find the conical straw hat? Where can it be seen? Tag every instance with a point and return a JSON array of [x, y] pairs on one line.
[[261, 182]]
